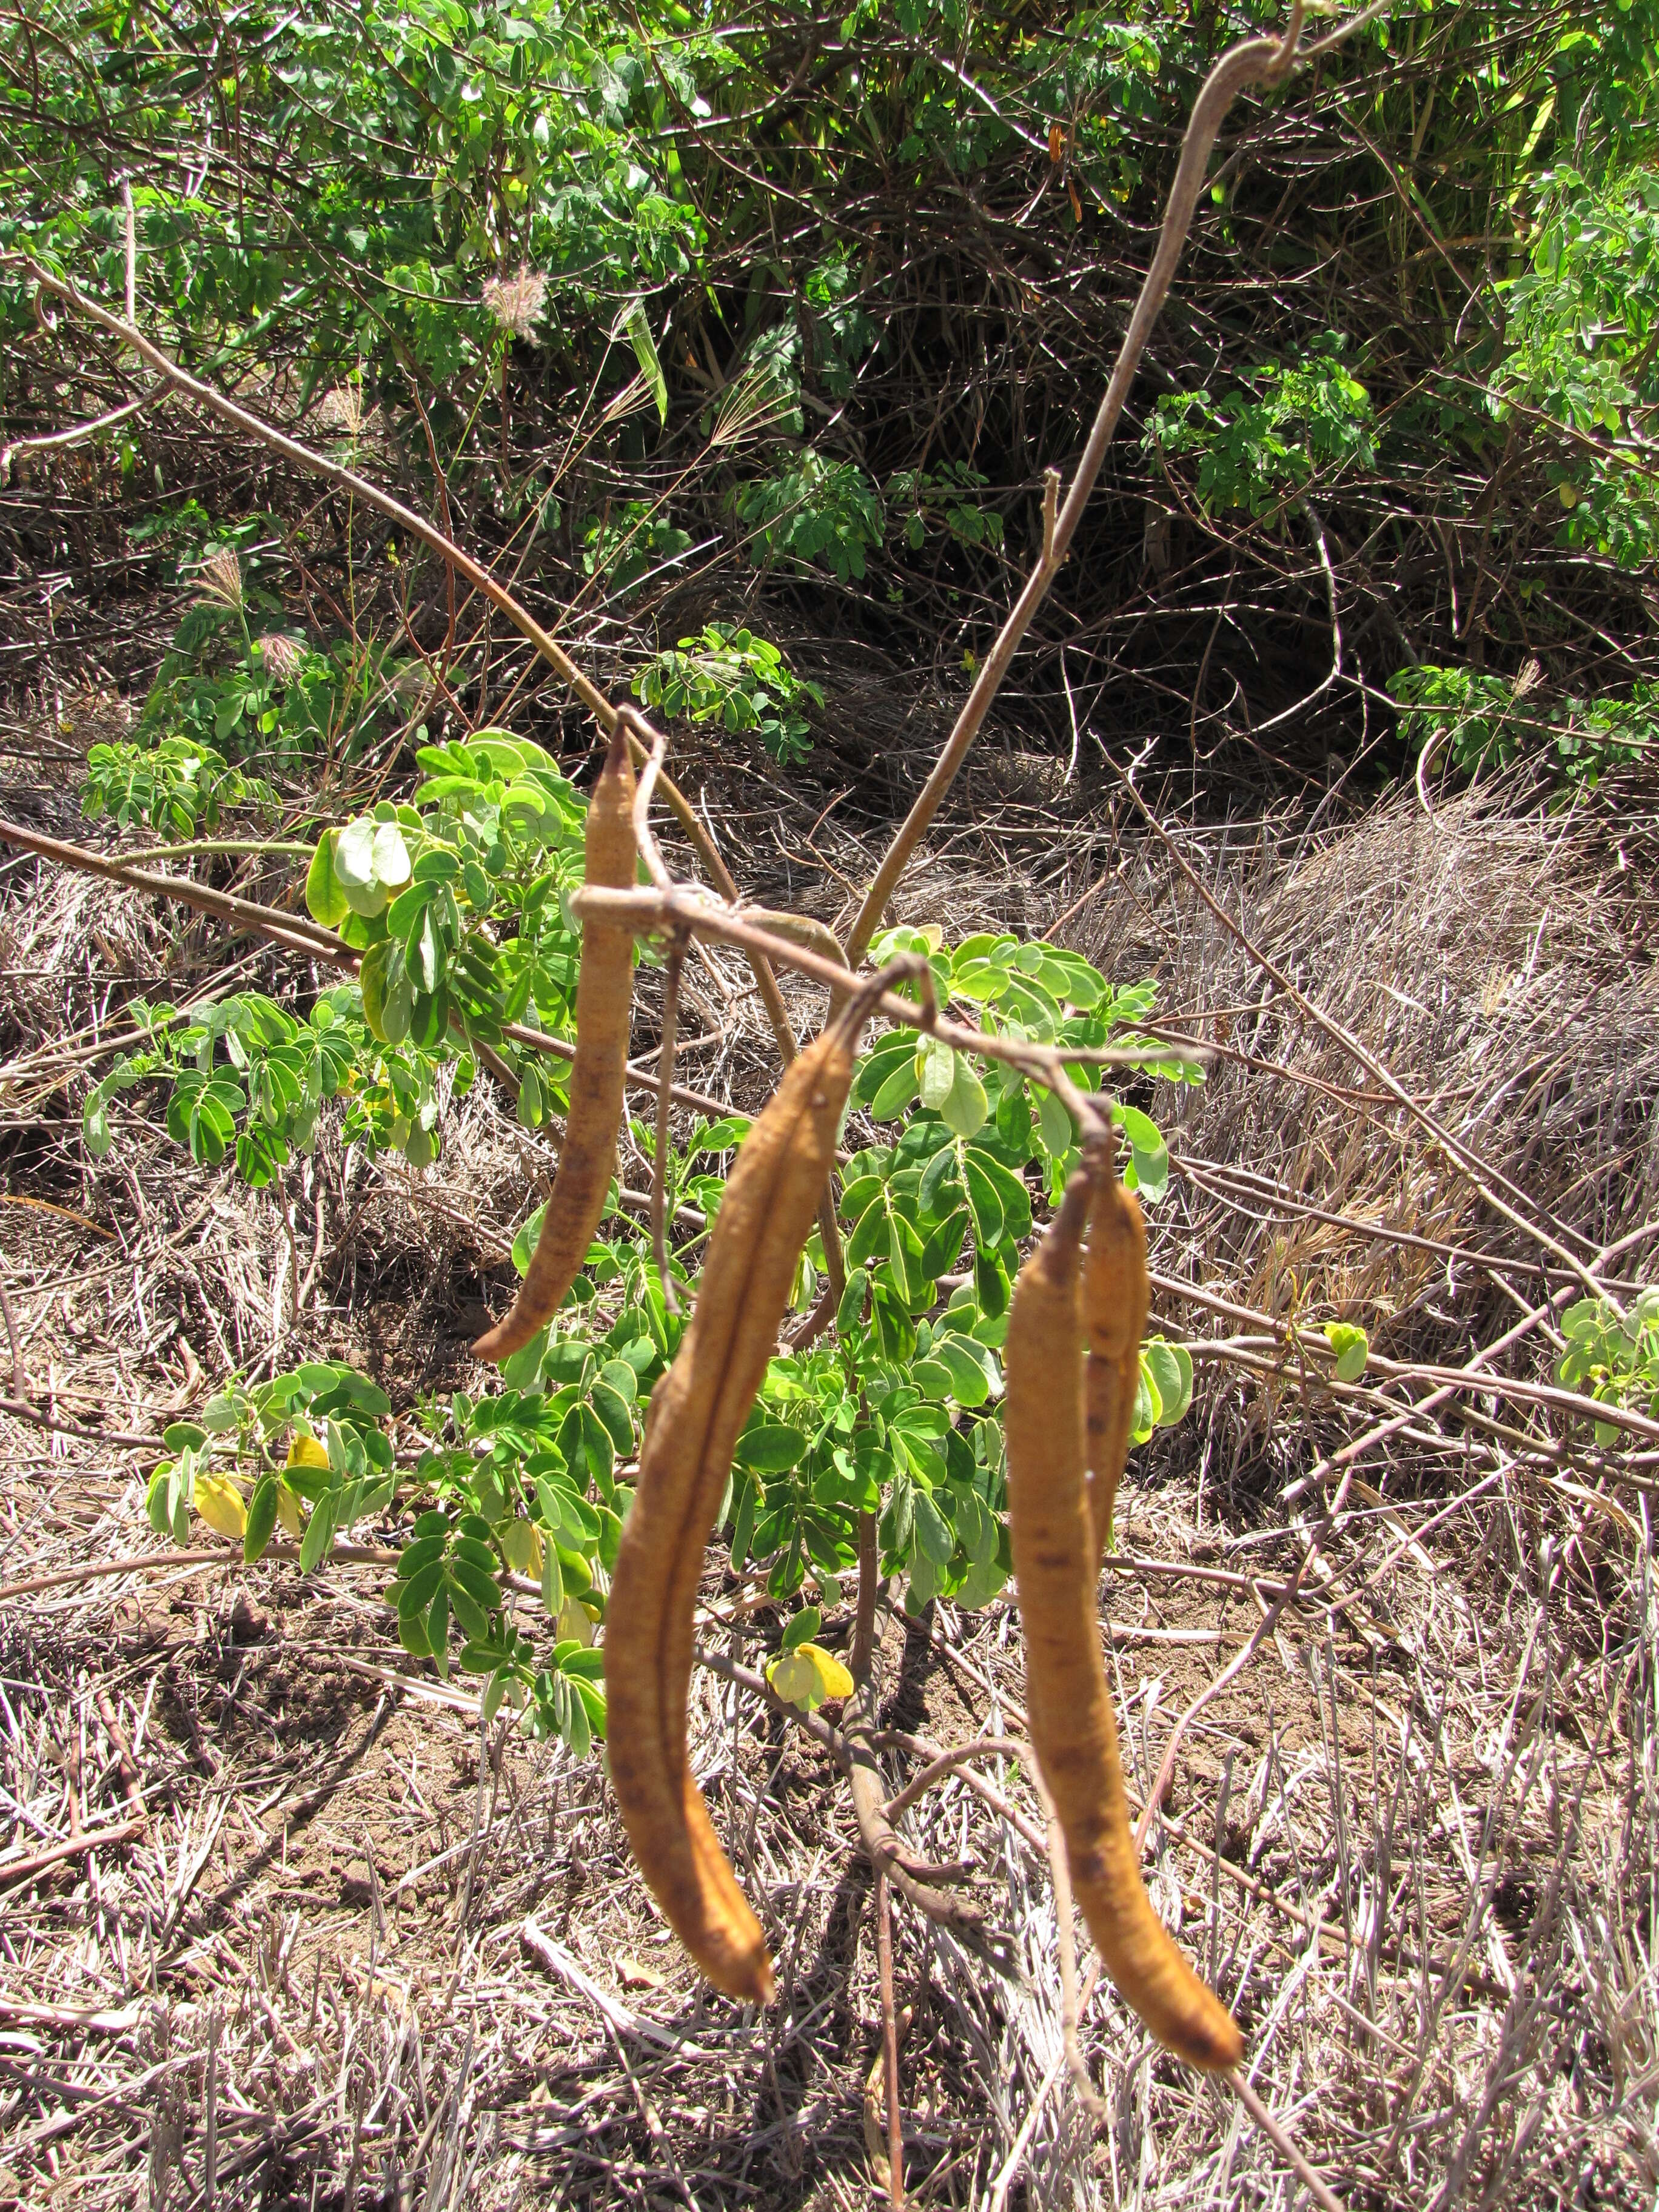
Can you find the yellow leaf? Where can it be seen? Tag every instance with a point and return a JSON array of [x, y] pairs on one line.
[[521, 1546], [220, 1504], [305, 1451], [287, 1510], [807, 1676], [795, 1679], [834, 1679]]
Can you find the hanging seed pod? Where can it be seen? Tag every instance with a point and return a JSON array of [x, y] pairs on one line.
[[604, 988], [1073, 1729], [1116, 1298]]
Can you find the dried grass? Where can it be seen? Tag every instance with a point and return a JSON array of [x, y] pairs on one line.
[[361, 1956]]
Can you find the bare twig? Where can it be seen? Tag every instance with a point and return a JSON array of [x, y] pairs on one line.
[[888, 1853], [78, 433], [89, 1839], [650, 911], [890, 2043], [126, 1766], [130, 228], [1323, 2196], [1071, 2005], [299, 934], [20, 1380]]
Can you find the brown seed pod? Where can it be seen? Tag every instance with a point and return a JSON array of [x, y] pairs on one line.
[[1115, 1297], [697, 1410], [603, 1001], [1073, 1729]]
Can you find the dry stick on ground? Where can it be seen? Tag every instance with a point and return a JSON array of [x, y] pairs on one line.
[[1480, 1174], [1346, 1459], [1254, 61], [123, 1831], [122, 1439], [1282, 2142], [156, 1563], [1293, 1338], [126, 1766], [297, 933]]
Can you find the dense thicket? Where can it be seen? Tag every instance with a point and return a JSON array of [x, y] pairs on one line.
[[776, 321]]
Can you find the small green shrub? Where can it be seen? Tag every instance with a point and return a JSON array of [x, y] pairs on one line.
[[626, 543], [947, 498], [175, 788], [1261, 448], [738, 680], [1580, 330], [815, 511], [843, 333], [1613, 1360], [1478, 720]]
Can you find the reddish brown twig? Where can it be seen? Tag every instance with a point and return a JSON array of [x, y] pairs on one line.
[[889, 2042]]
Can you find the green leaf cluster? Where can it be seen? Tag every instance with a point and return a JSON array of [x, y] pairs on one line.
[[629, 544], [177, 788], [946, 497], [1478, 720], [729, 676], [1613, 1359], [339, 1468], [1295, 426], [814, 511]]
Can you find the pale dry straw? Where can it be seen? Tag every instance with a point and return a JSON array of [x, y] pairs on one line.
[[220, 578]]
